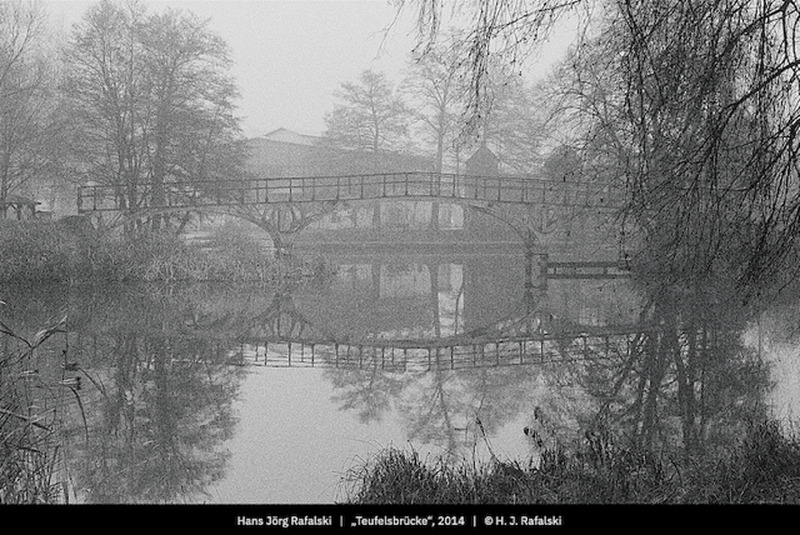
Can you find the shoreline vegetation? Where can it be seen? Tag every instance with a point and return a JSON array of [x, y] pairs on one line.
[[763, 467], [58, 252]]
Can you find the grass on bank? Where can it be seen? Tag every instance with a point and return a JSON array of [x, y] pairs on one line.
[[763, 467], [51, 251]]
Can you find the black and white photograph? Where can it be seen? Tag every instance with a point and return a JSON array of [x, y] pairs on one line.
[[424, 264]]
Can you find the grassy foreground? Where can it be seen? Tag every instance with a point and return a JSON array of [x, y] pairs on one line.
[[764, 467]]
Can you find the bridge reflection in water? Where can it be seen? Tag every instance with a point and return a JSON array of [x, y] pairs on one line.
[[413, 355], [432, 313]]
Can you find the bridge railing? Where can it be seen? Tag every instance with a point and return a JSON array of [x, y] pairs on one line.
[[491, 189], [429, 355], [417, 355]]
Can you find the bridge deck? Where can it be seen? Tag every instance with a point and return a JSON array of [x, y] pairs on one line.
[[416, 185]]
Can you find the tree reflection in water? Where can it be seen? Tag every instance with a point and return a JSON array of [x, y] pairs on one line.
[[158, 403], [685, 384], [161, 385]]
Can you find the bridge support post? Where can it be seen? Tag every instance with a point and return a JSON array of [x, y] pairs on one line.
[[282, 244], [534, 278], [543, 262]]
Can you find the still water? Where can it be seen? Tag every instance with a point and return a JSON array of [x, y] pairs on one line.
[[213, 393], [301, 430]]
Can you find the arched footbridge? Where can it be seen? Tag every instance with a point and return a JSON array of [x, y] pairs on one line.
[[468, 189], [531, 206]]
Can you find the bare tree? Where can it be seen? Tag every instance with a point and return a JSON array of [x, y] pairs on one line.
[[29, 124], [694, 109], [508, 29], [512, 119], [514, 123], [103, 65], [371, 115], [154, 100], [190, 99], [434, 88]]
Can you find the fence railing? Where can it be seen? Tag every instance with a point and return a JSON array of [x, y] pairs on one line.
[[494, 189]]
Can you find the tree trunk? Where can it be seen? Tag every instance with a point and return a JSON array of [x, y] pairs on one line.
[[686, 393]]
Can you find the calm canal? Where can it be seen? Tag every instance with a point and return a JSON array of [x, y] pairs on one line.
[[219, 393]]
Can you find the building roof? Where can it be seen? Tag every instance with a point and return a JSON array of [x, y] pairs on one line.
[[285, 135], [483, 153], [483, 162], [285, 152]]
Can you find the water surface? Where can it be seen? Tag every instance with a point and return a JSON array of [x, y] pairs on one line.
[[214, 393]]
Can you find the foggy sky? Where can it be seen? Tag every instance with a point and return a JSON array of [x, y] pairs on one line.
[[290, 56]]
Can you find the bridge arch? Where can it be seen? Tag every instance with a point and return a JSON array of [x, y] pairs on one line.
[[284, 206]]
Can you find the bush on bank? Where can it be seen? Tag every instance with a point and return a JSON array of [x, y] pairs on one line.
[[35, 250], [50, 251], [763, 467]]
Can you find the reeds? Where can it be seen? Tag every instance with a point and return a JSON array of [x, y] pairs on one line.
[[31, 420], [399, 477], [763, 467]]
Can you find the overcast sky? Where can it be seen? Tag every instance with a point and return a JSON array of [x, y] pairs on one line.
[[291, 55]]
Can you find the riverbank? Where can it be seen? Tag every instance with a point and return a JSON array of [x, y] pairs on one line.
[[59, 252], [762, 467]]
